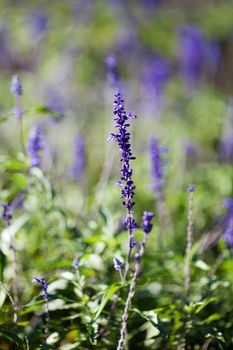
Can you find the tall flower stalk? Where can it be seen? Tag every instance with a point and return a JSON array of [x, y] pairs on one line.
[[187, 271], [147, 227], [126, 183]]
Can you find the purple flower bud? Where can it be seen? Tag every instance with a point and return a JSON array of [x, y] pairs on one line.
[[146, 221], [44, 286], [118, 265], [76, 263], [137, 257], [191, 188], [35, 146], [133, 242], [16, 86], [6, 212]]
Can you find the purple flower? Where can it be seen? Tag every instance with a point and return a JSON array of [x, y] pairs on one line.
[[191, 188], [79, 159], [44, 286], [228, 223], [150, 4], [192, 50], [76, 263], [133, 241], [157, 165], [156, 74], [123, 140], [16, 86], [146, 221], [35, 146], [39, 22], [9, 208], [190, 148], [111, 63], [226, 149], [6, 212], [16, 89], [118, 265]]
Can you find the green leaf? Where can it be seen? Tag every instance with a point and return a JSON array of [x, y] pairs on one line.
[[152, 317], [107, 295], [7, 334], [41, 109], [202, 265], [2, 264], [199, 306]]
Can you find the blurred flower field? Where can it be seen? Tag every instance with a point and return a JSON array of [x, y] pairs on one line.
[[116, 134]]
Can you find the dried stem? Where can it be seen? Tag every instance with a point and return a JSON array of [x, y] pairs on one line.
[[130, 237], [187, 270], [14, 268], [131, 294]]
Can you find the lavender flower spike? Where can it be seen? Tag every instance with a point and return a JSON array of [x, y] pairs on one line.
[[16, 89], [123, 140], [126, 183], [35, 146]]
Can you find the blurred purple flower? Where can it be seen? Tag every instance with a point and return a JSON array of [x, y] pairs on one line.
[[39, 22], [213, 54], [9, 208], [191, 188], [146, 221], [79, 159], [56, 104], [228, 222], [190, 149], [5, 52], [150, 4], [157, 165], [156, 74], [6, 212], [226, 149], [118, 265], [16, 86], [16, 89], [192, 51], [111, 63], [35, 146], [44, 285], [76, 263]]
